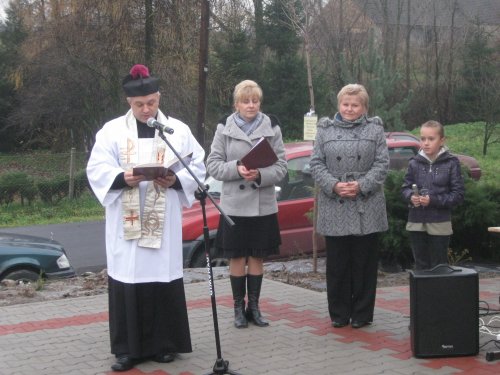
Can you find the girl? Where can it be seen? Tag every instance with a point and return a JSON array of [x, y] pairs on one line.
[[433, 185]]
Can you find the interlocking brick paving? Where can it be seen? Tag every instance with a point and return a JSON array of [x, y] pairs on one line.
[[295, 315]]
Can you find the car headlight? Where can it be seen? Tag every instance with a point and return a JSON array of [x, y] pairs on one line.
[[63, 261]]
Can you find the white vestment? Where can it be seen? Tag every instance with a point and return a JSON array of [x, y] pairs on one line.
[[126, 261]]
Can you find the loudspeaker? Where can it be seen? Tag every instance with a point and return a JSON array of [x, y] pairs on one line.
[[444, 312]]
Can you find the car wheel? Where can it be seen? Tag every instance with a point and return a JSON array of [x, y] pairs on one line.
[[220, 262], [200, 261], [24, 275]]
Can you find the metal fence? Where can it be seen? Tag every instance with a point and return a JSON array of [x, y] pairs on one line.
[[42, 175]]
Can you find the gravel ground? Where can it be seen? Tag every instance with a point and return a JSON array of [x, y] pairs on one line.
[[299, 272]]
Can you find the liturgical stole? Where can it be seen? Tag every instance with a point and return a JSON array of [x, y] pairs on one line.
[[148, 228]]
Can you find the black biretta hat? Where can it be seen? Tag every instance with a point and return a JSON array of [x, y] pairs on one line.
[[139, 83]]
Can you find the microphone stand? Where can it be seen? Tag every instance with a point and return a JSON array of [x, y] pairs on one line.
[[221, 366]]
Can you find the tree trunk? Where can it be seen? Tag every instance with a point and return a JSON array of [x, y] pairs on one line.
[[449, 73], [407, 47], [149, 30], [259, 31], [436, 64], [203, 71]]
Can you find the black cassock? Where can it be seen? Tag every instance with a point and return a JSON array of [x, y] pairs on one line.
[[147, 319]]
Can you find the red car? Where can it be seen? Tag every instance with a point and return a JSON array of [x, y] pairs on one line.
[[412, 145], [295, 202]]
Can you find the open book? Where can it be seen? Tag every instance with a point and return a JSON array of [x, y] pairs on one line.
[[154, 170], [261, 155]]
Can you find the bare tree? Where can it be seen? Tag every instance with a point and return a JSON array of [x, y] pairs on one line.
[[232, 28], [149, 32], [387, 38], [259, 31], [301, 22], [337, 36], [449, 82], [408, 45], [68, 79]]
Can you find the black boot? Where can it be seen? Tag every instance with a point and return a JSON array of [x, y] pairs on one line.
[[254, 283], [238, 288]]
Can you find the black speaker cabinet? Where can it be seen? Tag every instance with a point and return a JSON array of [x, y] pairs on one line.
[[444, 312]]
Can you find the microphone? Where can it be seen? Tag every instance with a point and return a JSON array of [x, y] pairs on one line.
[[152, 123], [414, 187], [414, 190]]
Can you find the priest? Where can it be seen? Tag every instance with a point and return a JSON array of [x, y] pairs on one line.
[[147, 304]]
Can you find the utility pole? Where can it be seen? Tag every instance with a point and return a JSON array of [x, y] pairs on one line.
[[203, 71], [149, 30]]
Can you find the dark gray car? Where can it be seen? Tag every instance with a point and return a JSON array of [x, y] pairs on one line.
[[28, 258]]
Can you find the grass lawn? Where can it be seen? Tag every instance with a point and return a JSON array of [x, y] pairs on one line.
[[461, 138], [468, 139]]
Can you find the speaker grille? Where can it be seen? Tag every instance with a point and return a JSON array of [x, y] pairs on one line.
[[444, 312]]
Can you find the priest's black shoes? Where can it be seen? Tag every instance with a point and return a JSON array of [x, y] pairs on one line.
[[359, 324], [164, 358], [123, 363], [339, 323]]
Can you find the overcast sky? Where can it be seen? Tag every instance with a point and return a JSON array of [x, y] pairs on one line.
[[3, 4]]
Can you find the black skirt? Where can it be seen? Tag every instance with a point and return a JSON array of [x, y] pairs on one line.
[[257, 236], [147, 319]]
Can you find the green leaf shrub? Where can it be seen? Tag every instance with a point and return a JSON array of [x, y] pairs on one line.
[[395, 245], [81, 183], [480, 210], [470, 220], [53, 190], [16, 185]]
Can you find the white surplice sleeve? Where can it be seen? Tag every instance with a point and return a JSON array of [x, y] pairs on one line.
[[197, 166], [103, 165]]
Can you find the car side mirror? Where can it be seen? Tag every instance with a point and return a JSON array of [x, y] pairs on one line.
[[277, 191]]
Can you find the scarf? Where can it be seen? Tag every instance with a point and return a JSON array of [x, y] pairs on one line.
[[248, 127]]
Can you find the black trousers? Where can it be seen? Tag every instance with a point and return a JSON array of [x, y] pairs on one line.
[[351, 277], [429, 250]]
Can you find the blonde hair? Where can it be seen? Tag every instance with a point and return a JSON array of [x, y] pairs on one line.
[[436, 125], [247, 89], [354, 89]]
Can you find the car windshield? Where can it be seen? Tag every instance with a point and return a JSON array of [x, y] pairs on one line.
[[214, 186], [297, 183]]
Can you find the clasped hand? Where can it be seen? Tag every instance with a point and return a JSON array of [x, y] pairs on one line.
[[420, 200], [248, 174], [347, 189], [164, 182]]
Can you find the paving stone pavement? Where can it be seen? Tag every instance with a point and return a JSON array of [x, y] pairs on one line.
[[70, 336]]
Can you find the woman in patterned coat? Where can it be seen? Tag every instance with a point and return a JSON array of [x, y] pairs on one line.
[[350, 163]]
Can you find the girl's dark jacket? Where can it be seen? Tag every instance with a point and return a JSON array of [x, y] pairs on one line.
[[445, 182]]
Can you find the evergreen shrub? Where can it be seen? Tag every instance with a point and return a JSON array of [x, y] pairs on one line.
[[16, 185], [480, 210], [395, 244], [81, 183], [53, 190]]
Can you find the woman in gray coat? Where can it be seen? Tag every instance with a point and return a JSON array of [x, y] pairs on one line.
[[350, 163], [248, 197]]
